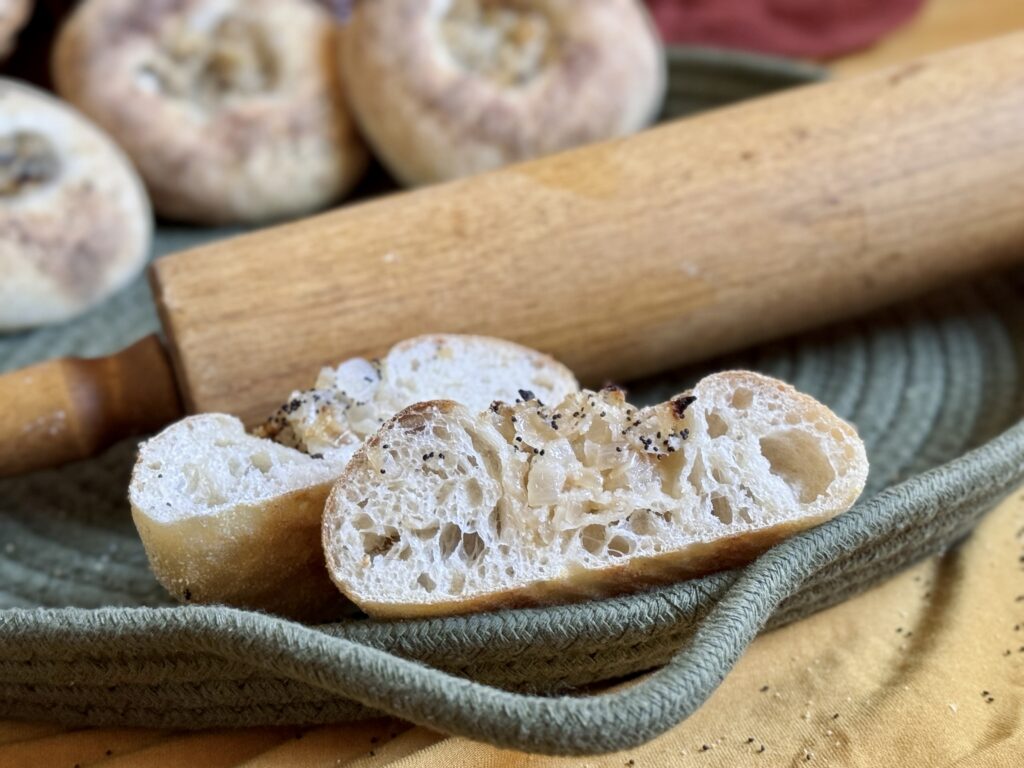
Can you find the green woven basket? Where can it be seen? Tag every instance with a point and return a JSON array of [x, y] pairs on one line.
[[88, 638]]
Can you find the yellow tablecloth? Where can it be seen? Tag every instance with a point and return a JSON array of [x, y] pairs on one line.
[[925, 670]]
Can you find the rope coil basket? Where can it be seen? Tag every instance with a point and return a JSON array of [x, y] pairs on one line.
[[87, 637]]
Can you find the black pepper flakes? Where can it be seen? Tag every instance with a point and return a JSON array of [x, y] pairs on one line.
[[680, 404]]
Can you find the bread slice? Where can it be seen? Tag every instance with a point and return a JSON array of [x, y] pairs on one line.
[[448, 511], [232, 517]]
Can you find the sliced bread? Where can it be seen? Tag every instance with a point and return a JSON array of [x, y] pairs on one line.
[[232, 517], [446, 510]]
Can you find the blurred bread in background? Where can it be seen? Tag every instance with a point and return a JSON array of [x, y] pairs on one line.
[[448, 88], [13, 15], [75, 223], [232, 110]]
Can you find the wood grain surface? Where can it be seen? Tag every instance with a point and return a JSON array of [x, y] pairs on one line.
[[628, 257]]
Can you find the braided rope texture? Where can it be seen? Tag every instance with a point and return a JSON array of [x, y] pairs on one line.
[[87, 637]]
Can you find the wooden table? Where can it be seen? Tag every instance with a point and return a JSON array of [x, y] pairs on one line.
[[943, 24]]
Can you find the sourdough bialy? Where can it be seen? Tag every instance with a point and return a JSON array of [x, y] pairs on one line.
[[232, 110], [75, 222], [449, 88], [447, 511], [228, 516]]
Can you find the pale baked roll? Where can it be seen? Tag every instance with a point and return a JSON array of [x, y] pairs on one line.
[[232, 109], [447, 88], [75, 224]]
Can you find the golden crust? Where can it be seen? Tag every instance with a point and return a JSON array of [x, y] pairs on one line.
[[203, 560], [636, 575]]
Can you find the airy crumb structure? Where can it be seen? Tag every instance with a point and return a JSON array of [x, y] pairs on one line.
[[448, 511], [228, 516]]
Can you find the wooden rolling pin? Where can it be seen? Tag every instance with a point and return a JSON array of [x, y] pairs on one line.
[[622, 258]]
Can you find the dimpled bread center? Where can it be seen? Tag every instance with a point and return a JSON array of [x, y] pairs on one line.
[[507, 42], [233, 59], [26, 160]]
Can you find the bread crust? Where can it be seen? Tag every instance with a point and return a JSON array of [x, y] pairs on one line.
[[573, 582], [638, 574], [276, 567]]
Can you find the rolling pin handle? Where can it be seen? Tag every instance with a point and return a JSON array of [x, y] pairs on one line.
[[68, 409]]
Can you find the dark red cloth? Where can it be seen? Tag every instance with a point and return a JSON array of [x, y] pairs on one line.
[[817, 29]]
